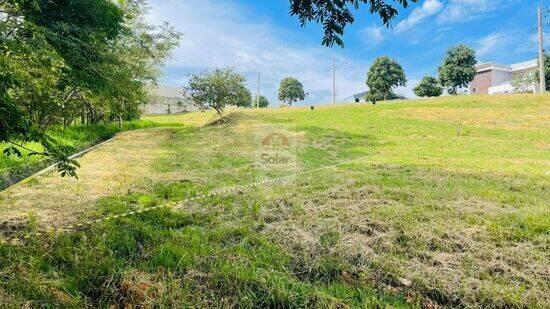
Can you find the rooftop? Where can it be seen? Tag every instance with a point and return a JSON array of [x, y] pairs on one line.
[[167, 91], [508, 68]]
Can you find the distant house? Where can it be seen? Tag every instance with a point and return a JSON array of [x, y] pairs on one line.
[[360, 96], [495, 78], [167, 100]]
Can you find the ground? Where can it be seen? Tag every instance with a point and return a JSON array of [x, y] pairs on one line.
[[440, 202]]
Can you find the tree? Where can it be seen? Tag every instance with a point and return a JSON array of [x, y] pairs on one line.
[[336, 15], [217, 89], [458, 68], [546, 72], [262, 101], [523, 83], [428, 87], [68, 36], [291, 90], [65, 59], [374, 97], [384, 75]]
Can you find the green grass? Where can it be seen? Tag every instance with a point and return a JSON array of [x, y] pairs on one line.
[[78, 136], [447, 204]]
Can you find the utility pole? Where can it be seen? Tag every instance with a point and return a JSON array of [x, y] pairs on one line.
[[542, 76], [334, 80], [258, 93]]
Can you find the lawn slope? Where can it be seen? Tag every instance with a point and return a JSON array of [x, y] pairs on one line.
[[445, 202]]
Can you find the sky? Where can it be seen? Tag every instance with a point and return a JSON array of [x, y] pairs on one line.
[[259, 36]]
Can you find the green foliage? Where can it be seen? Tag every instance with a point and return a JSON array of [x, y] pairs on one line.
[[336, 15], [63, 60], [262, 101], [291, 91], [546, 72], [219, 88], [384, 75], [522, 83], [374, 97], [428, 87], [20, 163], [458, 68]]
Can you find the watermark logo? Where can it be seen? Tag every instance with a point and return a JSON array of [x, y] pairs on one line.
[[276, 149]]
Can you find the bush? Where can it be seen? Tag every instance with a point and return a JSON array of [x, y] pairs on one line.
[[428, 87]]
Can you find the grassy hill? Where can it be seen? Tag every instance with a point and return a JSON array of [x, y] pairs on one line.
[[439, 202]]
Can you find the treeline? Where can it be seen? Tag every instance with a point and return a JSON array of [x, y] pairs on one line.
[[456, 71], [74, 61]]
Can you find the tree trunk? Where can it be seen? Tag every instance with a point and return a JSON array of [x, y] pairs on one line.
[[120, 114]]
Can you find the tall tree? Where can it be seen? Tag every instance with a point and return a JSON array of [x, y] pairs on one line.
[[336, 15], [78, 32], [291, 91], [458, 68], [63, 59], [384, 75]]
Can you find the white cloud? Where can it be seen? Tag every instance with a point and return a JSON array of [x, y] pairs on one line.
[[466, 10], [428, 8], [372, 36], [220, 34], [494, 42]]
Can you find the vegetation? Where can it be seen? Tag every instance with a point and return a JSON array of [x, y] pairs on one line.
[[546, 72], [458, 68], [426, 216], [523, 83], [428, 87], [291, 91], [336, 15], [374, 97], [78, 137], [384, 75], [64, 61], [262, 101], [218, 89]]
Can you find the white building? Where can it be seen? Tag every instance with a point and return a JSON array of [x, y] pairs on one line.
[[495, 78], [168, 100]]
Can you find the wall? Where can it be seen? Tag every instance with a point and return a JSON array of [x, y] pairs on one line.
[[481, 83], [501, 77], [168, 105]]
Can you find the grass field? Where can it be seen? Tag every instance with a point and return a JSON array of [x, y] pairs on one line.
[[79, 137], [444, 203]]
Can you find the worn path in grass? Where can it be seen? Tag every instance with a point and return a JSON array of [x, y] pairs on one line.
[[123, 165]]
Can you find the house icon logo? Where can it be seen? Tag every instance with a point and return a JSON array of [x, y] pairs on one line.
[[275, 140]]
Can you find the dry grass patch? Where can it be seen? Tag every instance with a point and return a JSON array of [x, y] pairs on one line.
[[125, 164]]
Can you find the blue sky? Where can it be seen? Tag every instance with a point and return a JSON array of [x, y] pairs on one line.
[[260, 36]]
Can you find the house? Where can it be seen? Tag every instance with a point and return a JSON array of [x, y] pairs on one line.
[[359, 96], [495, 78], [167, 100]]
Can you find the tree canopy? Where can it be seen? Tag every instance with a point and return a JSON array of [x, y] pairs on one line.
[[384, 75], [428, 87], [219, 88], [291, 91], [458, 68], [65, 59], [262, 101], [336, 15]]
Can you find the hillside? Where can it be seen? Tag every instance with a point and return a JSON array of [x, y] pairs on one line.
[[414, 203]]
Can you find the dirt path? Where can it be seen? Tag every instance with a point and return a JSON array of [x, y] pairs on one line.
[[123, 164]]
